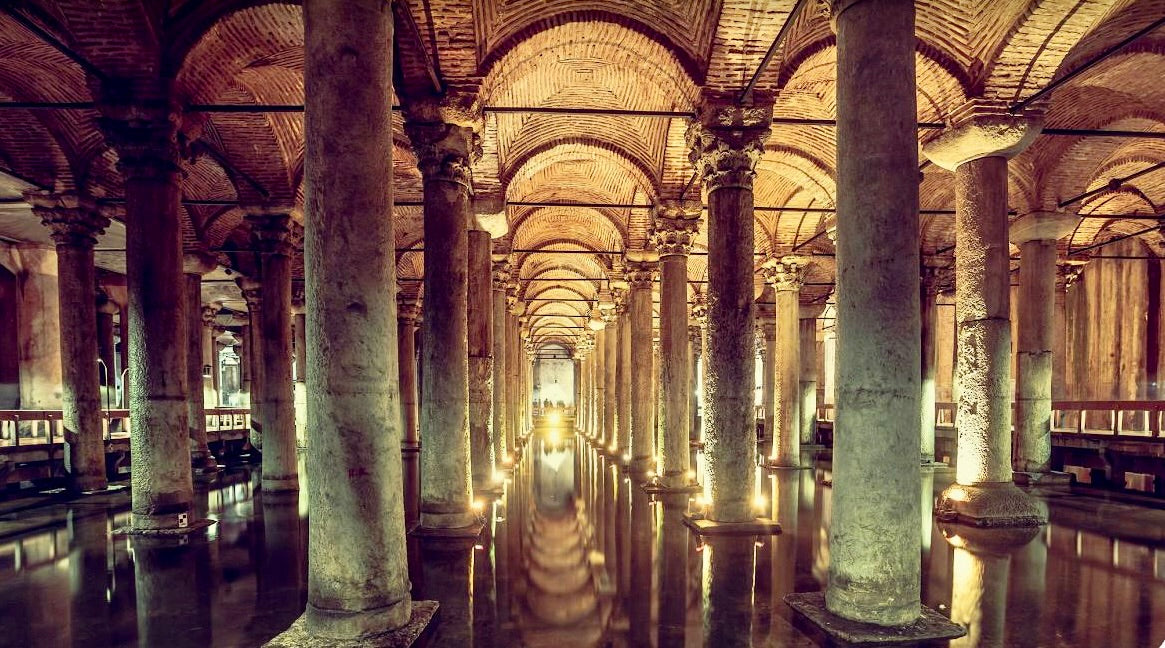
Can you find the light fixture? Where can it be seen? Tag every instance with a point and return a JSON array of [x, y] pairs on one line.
[[227, 339]]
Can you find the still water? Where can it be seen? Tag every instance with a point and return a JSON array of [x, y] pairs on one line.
[[572, 555]]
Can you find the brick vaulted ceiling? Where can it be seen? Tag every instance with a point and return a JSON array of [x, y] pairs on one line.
[[622, 55]]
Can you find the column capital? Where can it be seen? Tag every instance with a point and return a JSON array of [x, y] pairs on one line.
[[983, 128], [695, 336], [810, 311], [1068, 272], [143, 129], [446, 151], [785, 273], [726, 141], [766, 328], [502, 271], [1042, 226], [675, 230], [209, 313], [73, 221], [252, 290], [937, 279], [271, 228], [700, 310], [640, 273], [198, 261], [408, 310], [609, 314]]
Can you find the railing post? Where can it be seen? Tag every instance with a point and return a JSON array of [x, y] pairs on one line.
[[1080, 421], [1117, 419], [1154, 422]]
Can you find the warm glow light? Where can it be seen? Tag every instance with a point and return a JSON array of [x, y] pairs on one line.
[[760, 502], [627, 458], [479, 547], [554, 418], [956, 493], [612, 447], [478, 505], [691, 474], [498, 477], [507, 459], [553, 437], [650, 474], [703, 500]]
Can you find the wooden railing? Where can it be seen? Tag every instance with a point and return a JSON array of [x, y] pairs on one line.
[[26, 428], [1131, 418]]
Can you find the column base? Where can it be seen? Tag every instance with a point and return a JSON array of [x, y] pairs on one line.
[[429, 529], [930, 625], [772, 464], [88, 485], [990, 504], [755, 526], [656, 486], [282, 484], [297, 635], [1049, 479], [492, 491]]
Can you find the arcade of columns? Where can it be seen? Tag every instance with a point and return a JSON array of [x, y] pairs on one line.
[[370, 431]]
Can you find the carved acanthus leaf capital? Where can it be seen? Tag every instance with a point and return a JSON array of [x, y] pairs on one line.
[[73, 221], [937, 279], [502, 271], [726, 142], [639, 273], [408, 310], [1068, 272], [785, 273], [142, 126], [252, 290], [445, 151], [675, 231], [700, 310], [271, 229]]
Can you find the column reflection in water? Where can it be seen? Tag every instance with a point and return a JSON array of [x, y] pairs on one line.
[[445, 575], [483, 593], [727, 587], [787, 511], [979, 578], [281, 576], [673, 569], [1027, 586], [638, 596], [625, 537], [90, 578], [173, 581]]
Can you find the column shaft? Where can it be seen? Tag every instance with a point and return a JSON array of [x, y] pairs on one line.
[[624, 372], [280, 470], [500, 433], [610, 382], [357, 568], [1036, 312], [767, 332], [642, 412], [807, 336], [927, 314], [201, 458], [600, 387], [480, 331], [874, 541], [406, 352], [788, 379], [673, 342], [300, 343]]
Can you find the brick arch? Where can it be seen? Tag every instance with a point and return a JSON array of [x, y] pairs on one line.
[[624, 163], [594, 228]]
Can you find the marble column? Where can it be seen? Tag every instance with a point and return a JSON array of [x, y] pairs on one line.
[[271, 230], [445, 152], [196, 263], [501, 275], [299, 389], [74, 224], [977, 150], [610, 376], [695, 342], [407, 316], [639, 276], [358, 581], [933, 280], [624, 371], [787, 274], [807, 335], [106, 349], [144, 135], [766, 347], [252, 354], [725, 144], [479, 315], [39, 329], [875, 547], [1036, 235], [600, 387]]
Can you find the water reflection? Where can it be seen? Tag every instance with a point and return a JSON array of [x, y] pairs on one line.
[[574, 554]]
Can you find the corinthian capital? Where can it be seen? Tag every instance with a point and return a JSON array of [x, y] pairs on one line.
[[73, 221], [639, 273], [786, 273], [502, 271], [726, 142], [675, 231], [445, 151], [271, 229]]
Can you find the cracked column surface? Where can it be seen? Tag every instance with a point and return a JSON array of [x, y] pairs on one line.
[[639, 275], [1036, 234], [500, 275], [445, 151], [145, 137], [787, 275], [874, 540], [74, 224], [280, 468], [479, 309], [358, 582], [725, 143], [807, 335], [977, 149], [196, 263], [675, 231]]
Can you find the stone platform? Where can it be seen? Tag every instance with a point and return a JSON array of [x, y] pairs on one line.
[[930, 626], [297, 637]]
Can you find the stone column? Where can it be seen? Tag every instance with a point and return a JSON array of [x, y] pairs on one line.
[[675, 231], [808, 402], [624, 371], [977, 149], [766, 348], [639, 277], [479, 313], [106, 349], [144, 134], [407, 316], [1036, 234], [445, 152], [1067, 273], [875, 546], [610, 383], [600, 387], [210, 353], [512, 359], [39, 329], [787, 275], [74, 224], [358, 581], [196, 263], [299, 342], [501, 275], [252, 354], [725, 144], [933, 280], [695, 342]]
